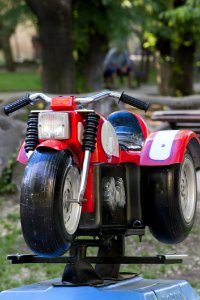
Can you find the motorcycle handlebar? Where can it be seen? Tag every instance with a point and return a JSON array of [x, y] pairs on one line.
[[134, 102], [31, 99], [24, 101], [19, 103], [143, 105]]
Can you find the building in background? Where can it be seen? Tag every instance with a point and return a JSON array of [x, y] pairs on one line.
[[21, 42]]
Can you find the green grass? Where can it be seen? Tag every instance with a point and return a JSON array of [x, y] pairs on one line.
[[11, 241], [20, 81]]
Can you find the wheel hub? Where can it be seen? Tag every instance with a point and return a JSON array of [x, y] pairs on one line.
[[71, 209], [188, 189]]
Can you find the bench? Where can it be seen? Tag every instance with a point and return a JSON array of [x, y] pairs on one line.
[[180, 119]]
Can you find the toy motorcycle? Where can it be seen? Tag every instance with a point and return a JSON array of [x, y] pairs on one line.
[[87, 175]]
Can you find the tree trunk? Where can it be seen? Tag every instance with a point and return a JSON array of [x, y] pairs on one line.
[[144, 65], [175, 65], [163, 67], [7, 51], [58, 68], [182, 70], [174, 69], [164, 75], [94, 59], [58, 74], [175, 76]]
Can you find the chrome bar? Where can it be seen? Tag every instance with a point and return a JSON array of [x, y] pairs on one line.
[[97, 97], [79, 100], [39, 96], [174, 256], [84, 175]]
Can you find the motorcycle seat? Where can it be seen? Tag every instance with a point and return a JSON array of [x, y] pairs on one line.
[[128, 130]]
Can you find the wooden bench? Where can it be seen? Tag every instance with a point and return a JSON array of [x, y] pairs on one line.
[[179, 119]]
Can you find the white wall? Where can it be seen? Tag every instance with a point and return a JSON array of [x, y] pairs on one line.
[[21, 41]]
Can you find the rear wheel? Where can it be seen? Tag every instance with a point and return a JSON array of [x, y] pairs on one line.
[[49, 217], [170, 200]]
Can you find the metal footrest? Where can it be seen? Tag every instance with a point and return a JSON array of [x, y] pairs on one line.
[[159, 259]]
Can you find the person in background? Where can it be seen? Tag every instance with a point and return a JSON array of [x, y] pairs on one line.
[[117, 63]]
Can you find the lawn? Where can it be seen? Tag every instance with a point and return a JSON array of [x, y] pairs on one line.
[[11, 241], [20, 81]]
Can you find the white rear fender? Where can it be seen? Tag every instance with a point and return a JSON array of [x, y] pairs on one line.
[[161, 146], [166, 147]]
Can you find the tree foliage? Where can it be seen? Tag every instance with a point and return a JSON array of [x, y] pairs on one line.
[[183, 23], [11, 12], [172, 27], [95, 25], [113, 19]]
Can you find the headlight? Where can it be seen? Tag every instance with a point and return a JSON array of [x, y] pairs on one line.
[[53, 125]]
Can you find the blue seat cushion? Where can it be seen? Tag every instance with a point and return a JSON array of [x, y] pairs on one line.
[[128, 130]]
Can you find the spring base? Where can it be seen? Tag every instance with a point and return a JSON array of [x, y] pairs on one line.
[[32, 140]]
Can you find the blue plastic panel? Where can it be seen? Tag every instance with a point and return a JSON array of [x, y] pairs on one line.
[[130, 289]]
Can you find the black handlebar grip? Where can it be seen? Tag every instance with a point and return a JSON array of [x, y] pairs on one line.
[[134, 102], [8, 109]]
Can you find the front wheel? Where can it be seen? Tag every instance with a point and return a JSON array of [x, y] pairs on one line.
[[48, 208], [170, 199]]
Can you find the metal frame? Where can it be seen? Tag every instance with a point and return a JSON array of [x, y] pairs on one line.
[[79, 252], [159, 259]]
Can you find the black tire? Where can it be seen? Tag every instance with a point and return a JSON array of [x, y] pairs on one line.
[[168, 209], [46, 215]]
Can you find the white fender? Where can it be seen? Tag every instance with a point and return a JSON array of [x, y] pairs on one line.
[[109, 139], [161, 146]]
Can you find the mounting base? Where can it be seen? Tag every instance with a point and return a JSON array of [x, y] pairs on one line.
[[135, 288]]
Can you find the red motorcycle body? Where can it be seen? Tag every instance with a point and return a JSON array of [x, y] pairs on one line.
[[111, 156], [91, 175]]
